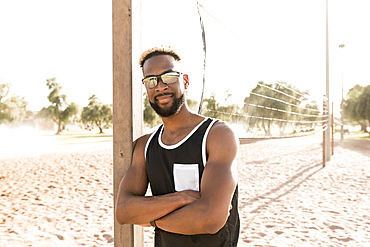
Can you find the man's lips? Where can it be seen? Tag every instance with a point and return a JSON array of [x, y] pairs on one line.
[[163, 98]]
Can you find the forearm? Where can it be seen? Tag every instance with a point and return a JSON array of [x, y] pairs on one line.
[[206, 215], [144, 209], [195, 218]]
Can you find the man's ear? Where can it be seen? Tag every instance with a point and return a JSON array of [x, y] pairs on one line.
[[186, 81]]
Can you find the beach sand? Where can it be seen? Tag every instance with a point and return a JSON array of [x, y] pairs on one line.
[[286, 197]]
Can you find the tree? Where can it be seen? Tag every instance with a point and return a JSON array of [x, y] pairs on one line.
[[4, 90], [193, 104], [353, 110], [12, 107], [97, 113], [228, 113], [363, 106], [311, 115], [59, 111], [211, 107], [268, 102], [150, 116]]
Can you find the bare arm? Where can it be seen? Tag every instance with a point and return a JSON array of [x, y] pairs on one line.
[[209, 214], [133, 207]]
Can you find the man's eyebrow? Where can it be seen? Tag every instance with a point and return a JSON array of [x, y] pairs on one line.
[[170, 70]]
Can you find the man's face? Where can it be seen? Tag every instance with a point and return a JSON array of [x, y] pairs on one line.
[[165, 99]]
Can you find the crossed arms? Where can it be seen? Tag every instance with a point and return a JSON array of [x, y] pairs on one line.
[[185, 212]]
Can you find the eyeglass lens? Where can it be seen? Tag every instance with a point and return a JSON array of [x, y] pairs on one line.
[[169, 78]]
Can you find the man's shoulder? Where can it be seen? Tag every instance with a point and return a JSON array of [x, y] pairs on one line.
[[141, 141], [221, 131], [222, 128]]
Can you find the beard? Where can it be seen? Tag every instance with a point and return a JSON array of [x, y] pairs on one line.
[[171, 110]]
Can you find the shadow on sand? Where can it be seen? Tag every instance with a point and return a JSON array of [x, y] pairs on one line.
[[290, 182], [360, 146]]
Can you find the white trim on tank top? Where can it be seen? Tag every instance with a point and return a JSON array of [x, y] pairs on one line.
[[150, 138], [204, 143], [183, 140]]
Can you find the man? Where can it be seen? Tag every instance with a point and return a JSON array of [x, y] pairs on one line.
[[190, 163]]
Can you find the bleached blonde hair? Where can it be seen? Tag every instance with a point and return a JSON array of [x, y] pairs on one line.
[[158, 50]]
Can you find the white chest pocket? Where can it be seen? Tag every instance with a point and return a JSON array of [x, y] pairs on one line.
[[186, 177]]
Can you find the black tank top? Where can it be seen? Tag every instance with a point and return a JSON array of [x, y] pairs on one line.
[[179, 167]]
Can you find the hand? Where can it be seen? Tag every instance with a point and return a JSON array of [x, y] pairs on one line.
[[191, 195], [231, 207]]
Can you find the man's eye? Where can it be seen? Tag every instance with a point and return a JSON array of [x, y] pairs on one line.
[[151, 79]]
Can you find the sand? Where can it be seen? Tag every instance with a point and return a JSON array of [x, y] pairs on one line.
[[286, 197], [60, 199], [289, 199]]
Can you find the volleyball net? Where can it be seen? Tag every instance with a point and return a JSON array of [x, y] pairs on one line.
[[269, 110], [275, 110]]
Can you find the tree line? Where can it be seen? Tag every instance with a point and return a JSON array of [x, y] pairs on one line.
[[13, 109], [268, 106], [95, 113]]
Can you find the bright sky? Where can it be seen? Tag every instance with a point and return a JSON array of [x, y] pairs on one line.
[[247, 41]]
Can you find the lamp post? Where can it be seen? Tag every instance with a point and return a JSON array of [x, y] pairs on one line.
[[341, 128]]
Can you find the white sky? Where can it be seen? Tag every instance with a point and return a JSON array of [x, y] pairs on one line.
[[266, 40]]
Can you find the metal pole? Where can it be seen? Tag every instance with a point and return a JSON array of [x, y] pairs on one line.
[[341, 128], [342, 111], [323, 134], [332, 128]]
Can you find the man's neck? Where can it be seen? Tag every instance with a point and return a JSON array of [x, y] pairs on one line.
[[183, 119]]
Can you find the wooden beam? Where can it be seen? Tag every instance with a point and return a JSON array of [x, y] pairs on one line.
[[327, 131], [127, 104]]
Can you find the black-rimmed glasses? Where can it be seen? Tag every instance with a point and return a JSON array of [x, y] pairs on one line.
[[166, 77]]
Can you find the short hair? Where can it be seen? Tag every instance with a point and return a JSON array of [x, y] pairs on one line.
[[158, 50]]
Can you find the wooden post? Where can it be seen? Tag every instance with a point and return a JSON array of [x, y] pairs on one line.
[[327, 132], [127, 104]]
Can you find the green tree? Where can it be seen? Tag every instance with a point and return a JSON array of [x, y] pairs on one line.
[[150, 116], [227, 113], [211, 107], [59, 111], [97, 113], [363, 106], [352, 106], [230, 113], [12, 108], [4, 90], [193, 104], [268, 102]]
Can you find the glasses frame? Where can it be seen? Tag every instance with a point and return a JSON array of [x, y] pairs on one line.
[[160, 76]]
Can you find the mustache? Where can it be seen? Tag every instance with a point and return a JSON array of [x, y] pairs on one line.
[[162, 94]]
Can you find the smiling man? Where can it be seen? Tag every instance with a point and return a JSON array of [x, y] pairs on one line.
[[189, 162]]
